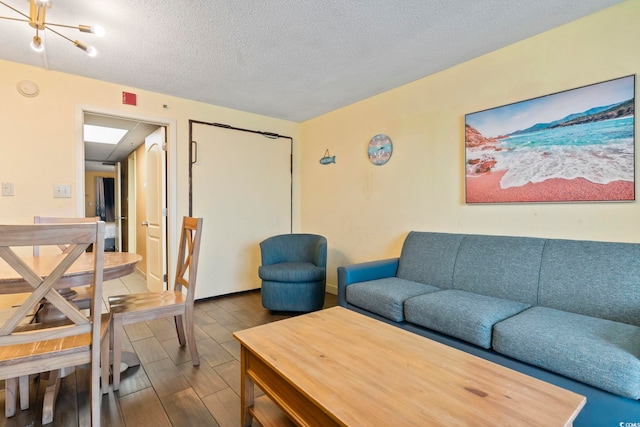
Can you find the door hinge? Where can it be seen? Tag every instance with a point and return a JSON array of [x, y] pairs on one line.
[[164, 146], [164, 212], [164, 278]]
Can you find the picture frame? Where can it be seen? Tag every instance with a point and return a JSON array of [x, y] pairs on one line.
[[576, 145]]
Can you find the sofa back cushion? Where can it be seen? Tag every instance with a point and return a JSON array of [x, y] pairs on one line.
[[429, 258], [598, 279], [500, 266]]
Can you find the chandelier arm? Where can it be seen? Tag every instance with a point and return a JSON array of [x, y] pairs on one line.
[[15, 10], [75, 27], [14, 19], [60, 34]]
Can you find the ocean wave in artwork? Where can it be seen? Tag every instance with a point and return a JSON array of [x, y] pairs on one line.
[[569, 153]]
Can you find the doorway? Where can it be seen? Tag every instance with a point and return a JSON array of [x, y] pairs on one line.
[[129, 156]]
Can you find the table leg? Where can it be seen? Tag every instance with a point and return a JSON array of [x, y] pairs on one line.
[[50, 395], [51, 392], [11, 389], [247, 390], [24, 392]]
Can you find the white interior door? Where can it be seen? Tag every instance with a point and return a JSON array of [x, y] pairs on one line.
[[155, 222], [241, 186]]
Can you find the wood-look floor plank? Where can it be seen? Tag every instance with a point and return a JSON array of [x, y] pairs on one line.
[[199, 333], [225, 407], [203, 379], [233, 347], [221, 316], [133, 380], [163, 328], [178, 354], [201, 317], [138, 331], [165, 377], [213, 353], [218, 332], [143, 408], [230, 373], [185, 408], [229, 304], [149, 350]]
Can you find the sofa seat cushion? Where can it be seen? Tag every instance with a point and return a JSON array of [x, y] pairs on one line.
[[386, 296], [599, 352], [292, 272], [464, 315]]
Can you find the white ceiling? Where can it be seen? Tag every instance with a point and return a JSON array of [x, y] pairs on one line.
[[290, 59]]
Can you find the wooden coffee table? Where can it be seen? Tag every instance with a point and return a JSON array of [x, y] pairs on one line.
[[338, 367]]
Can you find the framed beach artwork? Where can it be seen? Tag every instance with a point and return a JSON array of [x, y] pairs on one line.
[[572, 146]]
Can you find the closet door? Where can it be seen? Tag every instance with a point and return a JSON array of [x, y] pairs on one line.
[[241, 186]]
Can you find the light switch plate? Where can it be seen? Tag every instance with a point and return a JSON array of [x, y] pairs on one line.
[[7, 188], [62, 190]]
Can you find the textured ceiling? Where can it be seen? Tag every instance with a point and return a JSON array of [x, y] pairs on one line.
[[290, 59]]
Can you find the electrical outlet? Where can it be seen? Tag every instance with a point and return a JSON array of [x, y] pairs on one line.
[[62, 190], [7, 188]]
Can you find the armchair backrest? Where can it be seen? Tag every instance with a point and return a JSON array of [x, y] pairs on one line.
[[294, 248]]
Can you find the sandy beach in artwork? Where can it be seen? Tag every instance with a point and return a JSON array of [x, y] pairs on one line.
[[485, 188]]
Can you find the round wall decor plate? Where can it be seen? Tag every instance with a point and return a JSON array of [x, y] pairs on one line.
[[380, 149]]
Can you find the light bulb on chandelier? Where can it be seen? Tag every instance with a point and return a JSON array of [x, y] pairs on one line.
[[36, 44], [37, 20]]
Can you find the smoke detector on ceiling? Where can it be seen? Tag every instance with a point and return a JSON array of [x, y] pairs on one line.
[[28, 88]]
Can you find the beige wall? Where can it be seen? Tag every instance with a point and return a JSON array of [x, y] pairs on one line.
[[365, 211], [38, 138], [90, 190]]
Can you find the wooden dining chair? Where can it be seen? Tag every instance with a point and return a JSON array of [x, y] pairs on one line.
[[30, 348], [60, 220], [142, 307], [82, 299]]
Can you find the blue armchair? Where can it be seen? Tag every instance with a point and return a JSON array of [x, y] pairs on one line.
[[293, 272]]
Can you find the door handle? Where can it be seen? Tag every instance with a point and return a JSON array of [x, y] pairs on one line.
[[145, 223]]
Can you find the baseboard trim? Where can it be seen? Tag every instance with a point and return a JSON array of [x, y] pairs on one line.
[[332, 289]]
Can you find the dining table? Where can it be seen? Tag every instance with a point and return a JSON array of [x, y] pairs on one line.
[[116, 264]]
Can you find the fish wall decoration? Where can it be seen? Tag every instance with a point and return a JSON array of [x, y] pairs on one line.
[[327, 159]]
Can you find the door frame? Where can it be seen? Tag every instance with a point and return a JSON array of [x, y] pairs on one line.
[[172, 137]]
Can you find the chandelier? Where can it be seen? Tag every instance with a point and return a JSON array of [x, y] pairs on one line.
[[37, 20]]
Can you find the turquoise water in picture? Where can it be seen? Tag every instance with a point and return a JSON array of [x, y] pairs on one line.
[[600, 152]]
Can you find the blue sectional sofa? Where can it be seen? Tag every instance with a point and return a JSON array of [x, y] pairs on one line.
[[564, 311]]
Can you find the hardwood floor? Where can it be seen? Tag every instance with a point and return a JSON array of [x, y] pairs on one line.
[[166, 390]]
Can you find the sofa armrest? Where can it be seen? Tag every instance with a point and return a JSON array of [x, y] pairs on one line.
[[350, 274]]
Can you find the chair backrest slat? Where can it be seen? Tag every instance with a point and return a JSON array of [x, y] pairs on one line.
[[78, 237], [60, 220], [188, 253]]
